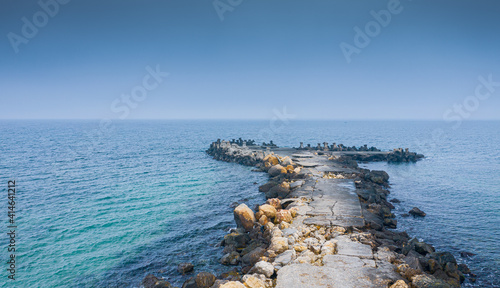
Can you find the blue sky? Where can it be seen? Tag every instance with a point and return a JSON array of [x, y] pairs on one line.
[[244, 59]]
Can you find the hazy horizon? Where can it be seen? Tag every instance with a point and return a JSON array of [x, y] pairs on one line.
[[250, 60]]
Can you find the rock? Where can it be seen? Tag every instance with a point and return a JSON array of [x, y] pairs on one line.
[[268, 210], [190, 283], [279, 191], [233, 284], [232, 258], [465, 254], [283, 216], [264, 268], [275, 202], [279, 244], [244, 217], [238, 240], [151, 281], [219, 283], [423, 248], [263, 220], [205, 280], [390, 223], [270, 160], [379, 177], [417, 212], [285, 161], [296, 184], [285, 257], [253, 282], [399, 284], [464, 269], [395, 200], [443, 257], [427, 281], [264, 188], [276, 170], [253, 256], [184, 268]]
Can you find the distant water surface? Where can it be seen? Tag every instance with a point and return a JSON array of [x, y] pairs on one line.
[[103, 208]]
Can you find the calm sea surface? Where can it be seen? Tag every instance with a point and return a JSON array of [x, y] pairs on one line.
[[103, 207]]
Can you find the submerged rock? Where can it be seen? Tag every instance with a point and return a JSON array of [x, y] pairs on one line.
[[205, 280], [151, 281], [184, 268], [417, 212]]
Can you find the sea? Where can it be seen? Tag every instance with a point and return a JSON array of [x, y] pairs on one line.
[[104, 203]]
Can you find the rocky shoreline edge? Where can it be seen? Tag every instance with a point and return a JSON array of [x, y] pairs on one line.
[[326, 223]]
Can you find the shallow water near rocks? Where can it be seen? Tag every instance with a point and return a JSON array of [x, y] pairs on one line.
[[105, 210]]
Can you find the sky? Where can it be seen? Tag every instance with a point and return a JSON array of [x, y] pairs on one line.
[[249, 59]]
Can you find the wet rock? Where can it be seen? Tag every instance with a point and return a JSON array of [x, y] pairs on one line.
[[184, 268], [253, 256], [283, 216], [276, 170], [424, 248], [233, 284], [264, 188], [376, 176], [464, 269], [232, 258], [395, 200], [443, 257], [279, 191], [190, 283], [151, 281], [238, 240], [244, 217], [465, 254], [205, 280], [427, 281], [268, 210], [417, 212], [390, 223]]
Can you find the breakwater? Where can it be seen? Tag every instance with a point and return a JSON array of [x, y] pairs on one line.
[[326, 223]]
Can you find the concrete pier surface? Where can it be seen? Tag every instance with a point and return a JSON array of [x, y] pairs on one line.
[[326, 223]]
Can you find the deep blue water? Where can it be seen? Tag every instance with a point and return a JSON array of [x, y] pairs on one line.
[[104, 207]]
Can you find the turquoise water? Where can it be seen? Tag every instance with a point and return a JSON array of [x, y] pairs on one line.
[[103, 208]]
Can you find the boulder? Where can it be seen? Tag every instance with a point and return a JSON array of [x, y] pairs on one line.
[[264, 268], [275, 202], [283, 215], [276, 170], [270, 160], [379, 177], [190, 283], [285, 161], [263, 220], [427, 281], [279, 191], [253, 256], [253, 282], [151, 281], [264, 188], [184, 268], [268, 210], [279, 244], [205, 280], [423, 248], [417, 212], [244, 217], [238, 240], [232, 258]]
